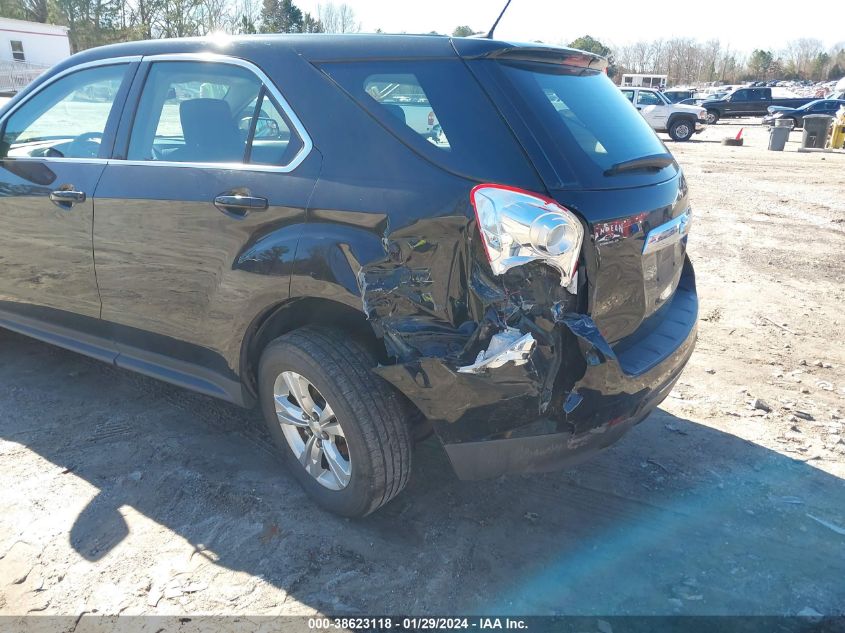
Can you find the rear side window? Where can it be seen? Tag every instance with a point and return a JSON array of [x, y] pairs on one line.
[[439, 110], [402, 96], [209, 112], [583, 122]]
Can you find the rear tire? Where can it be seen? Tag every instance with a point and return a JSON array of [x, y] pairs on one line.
[[682, 130], [712, 117], [370, 429]]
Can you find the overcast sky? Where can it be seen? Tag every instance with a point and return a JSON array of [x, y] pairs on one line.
[[744, 24]]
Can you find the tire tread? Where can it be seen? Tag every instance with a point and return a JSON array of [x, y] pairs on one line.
[[387, 435]]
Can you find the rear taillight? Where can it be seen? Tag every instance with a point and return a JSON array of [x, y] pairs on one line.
[[518, 227]]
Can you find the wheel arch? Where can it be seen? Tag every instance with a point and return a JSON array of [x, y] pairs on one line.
[[294, 313], [676, 116]]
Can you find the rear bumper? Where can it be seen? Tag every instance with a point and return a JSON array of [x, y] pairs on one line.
[[606, 419], [504, 420]]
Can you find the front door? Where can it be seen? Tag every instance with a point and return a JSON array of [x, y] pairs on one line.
[[737, 103], [53, 152], [214, 169], [651, 106]]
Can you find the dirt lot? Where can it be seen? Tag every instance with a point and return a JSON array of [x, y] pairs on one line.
[[125, 495]]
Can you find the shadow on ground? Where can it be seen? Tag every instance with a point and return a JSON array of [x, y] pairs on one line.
[[676, 518]]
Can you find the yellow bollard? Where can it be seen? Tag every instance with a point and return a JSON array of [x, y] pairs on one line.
[[837, 135]]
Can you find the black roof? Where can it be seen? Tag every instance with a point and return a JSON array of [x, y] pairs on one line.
[[323, 47]]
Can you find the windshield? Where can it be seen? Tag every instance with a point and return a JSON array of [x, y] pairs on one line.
[[585, 124]]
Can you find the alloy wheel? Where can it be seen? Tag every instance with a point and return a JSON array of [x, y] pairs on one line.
[[312, 431]]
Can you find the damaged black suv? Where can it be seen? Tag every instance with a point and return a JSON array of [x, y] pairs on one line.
[[371, 237]]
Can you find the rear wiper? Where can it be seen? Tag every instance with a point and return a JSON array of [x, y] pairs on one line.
[[654, 162]]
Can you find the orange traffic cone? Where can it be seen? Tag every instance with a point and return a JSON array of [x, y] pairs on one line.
[[735, 142]]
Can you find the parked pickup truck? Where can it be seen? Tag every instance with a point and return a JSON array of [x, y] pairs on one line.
[[679, 121], [747, 102]]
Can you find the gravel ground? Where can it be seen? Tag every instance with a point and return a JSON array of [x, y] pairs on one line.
[[126, 495]]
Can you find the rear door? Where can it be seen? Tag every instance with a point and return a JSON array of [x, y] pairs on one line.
[[54, 148], [760, 98], [211, 165]]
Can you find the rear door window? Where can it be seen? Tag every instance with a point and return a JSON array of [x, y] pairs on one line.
[[209, 112], [182, 103], [272, 141]]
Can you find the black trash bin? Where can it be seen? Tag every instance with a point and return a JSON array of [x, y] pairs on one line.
[[816, 128]]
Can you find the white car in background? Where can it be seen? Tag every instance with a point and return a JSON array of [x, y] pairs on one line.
[[679, 121]]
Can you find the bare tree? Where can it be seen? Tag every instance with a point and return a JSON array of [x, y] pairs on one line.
[[684, 60], [799, 55], [214, 16], [247, 16], [710, 56], [338, 18], [177, 18]]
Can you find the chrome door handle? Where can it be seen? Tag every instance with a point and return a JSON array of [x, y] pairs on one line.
[[66, 198], [240, 205]]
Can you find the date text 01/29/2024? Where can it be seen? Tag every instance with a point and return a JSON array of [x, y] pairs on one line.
[[415, 624]]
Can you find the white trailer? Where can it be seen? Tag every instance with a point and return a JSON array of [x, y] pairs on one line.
[[636, 80], [27, 49]]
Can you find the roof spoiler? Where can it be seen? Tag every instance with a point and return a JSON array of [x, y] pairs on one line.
[[544, 54]]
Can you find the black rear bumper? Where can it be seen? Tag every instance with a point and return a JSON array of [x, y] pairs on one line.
[[493, 423], [606, 418]]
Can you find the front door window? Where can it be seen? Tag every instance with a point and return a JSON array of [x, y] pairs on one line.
[[67, 119]]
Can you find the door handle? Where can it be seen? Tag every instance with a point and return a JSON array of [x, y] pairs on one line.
[[240, 205], [66, 198]]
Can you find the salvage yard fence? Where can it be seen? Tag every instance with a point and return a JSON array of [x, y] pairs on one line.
[[14, 76]]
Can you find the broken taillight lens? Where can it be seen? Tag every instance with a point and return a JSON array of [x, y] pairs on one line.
[[518, 227]]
